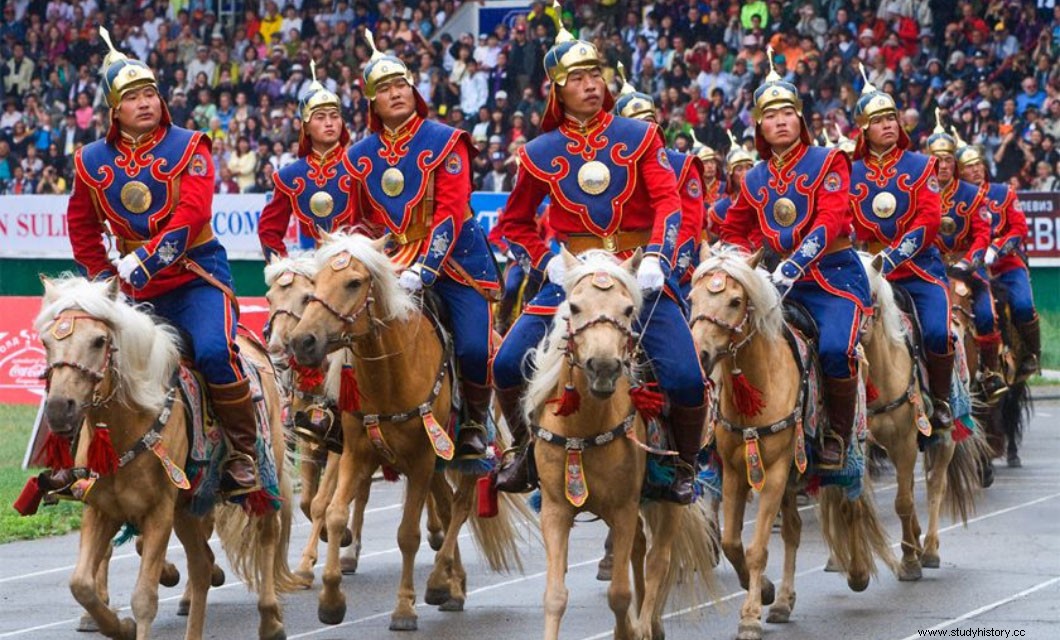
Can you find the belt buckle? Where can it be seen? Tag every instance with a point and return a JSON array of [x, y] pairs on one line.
[[401, 238], [611, 243]]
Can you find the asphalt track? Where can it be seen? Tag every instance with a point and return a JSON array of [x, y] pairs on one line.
[[999, 574]]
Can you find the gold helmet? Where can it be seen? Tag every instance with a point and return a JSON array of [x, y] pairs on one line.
[[632, 103], [967, 154], [737, 155], [872, 102], [316, 96], [382, 68], [121, 74], [568, 53], [774, 93], [702, 151], [941, 143]]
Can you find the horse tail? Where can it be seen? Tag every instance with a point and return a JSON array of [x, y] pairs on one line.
[[962, 473], [499, 537], [1016, 412], [853, 531], [694, 552]]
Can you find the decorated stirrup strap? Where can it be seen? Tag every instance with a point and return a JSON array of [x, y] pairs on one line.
[[756, 470], [374, 432], [575, 485], [439, 437], [175, 474]]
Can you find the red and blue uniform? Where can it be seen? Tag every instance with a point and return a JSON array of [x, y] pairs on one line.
[[1009, 228], [688, 170], [964, 235], [799, 205]]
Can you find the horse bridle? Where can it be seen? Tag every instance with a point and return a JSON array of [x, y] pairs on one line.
[[348, 318], [733, 329], [572, 332], [96, 376]]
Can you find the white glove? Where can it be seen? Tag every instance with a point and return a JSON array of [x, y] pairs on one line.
[[991, 256], [650, 277], [127, 265], [779, 279], [410, 279], [556, 270]]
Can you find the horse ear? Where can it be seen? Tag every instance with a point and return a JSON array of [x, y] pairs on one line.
[[704, 251], [380, 244], [113, 287], [877, 263], [756, 257], [325, 236], [49, 286], [633, 262], [569, 259]]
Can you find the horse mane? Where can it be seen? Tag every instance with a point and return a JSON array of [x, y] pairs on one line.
[[395, 302], [883, 293], [146, 351], [548, 357], [303, 264], [767, 318]]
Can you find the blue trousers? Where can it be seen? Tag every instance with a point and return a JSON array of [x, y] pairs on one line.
[[471, 325], [1020, 295], [983, 306], [838, 318], [932, 301], [207, 316], [667, 342]]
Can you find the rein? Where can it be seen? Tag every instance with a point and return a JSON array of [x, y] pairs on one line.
[[348, 318], [96, 376]]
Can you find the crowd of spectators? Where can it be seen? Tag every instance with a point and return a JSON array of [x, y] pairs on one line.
[[992, 68]]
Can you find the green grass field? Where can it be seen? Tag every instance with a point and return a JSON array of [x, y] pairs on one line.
[[1050, 340], [16, 421]]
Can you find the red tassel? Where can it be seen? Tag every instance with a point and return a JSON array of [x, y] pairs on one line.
[[57, 452], [486, 489], [258, 503], [872, 394], [390, 474], [647, 400], [101, 455], [29, 500], [349, 392], [960, 431], [746, 397], [308, 377], [813, 486], [568, 403]]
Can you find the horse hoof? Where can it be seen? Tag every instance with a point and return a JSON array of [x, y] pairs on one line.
[[348, 565], [779, 615], [452, 604], [929, 561], [749, 631], [183, 607], [436, 540], [910, 572], [217, 576], [127, 629], [769, 592], [832, 566], [658, 635], [436, 596], [307, 576], [402, 624], [331, 615], [1014, 461], [858, 584], [603, 574], [87, 624], [281, 634], [170, 576]]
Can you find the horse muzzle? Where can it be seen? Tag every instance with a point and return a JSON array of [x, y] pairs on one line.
[[707, 360], [308, 349], [64, 415], [603, 375]]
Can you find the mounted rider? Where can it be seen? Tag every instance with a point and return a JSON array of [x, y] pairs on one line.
[[897, 215], [964, 236], [612, 187], [149, 185], [413, 177], [1004, 257], [808, 223], [316, 187], [737, 163]]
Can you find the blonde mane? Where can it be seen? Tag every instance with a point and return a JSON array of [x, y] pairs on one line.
[[303, 264], [890, 316], [548, 356], [395, 302], [767, 317], [145, 351]]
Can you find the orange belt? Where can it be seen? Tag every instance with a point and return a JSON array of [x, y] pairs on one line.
[[618, 242], [126, 246], [420, 229]]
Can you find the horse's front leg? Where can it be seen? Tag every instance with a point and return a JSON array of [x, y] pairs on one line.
[[556, 521], [439, 511], [200, 564], [445, 586], [311, 470], [95, 549], [760, 590], [904, 454], [351, 557], [663, 526], [791, 533], [936, 482], [331, 608], [102, 572], [156, 528], [403, 618]]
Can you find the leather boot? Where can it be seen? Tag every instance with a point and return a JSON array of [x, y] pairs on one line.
[[234, 409], [940, 374], [472, 439], [1031, 354], [841, 403], [990, 380], [515, 475], [686, 428]]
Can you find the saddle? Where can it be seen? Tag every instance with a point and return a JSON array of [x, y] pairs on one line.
[[796, 315]]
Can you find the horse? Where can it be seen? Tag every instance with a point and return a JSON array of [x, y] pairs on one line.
[[739, 330], [593, 460], [394, 417], [290, 285], [112, 371]]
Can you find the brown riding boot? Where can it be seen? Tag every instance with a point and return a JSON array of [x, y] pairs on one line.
[[990, 379], [472, 439], [686, 428], [841, 403], [234, 409], [940, 374], [1031, 355], [514, 476]]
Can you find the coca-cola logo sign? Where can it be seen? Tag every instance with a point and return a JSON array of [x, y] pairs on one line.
[[22, 361]]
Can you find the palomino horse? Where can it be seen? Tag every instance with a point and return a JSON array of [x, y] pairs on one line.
[[111, 372], [290, 287], [591, 459], [739, 329], [404, 403]]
